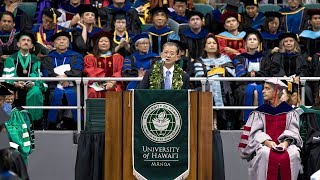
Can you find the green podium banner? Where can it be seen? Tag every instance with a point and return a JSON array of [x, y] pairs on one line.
[[161, 134]]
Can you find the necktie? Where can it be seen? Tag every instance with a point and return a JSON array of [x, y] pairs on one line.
[[167, 84]]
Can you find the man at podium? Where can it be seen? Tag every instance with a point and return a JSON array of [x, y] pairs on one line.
[[165, 74]]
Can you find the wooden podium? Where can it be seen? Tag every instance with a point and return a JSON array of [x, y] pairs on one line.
[[118, 136]]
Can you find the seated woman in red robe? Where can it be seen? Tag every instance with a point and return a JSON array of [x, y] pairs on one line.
[[102, 63]]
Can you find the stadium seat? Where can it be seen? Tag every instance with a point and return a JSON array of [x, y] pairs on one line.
[[29, 8], [312, 6], [203, 8], [145, 27], [268, 7], [173, 25]]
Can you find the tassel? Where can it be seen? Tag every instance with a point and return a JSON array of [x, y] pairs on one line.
[[289, 86], [54, 16], [187, 52], [99, 22], [239, 17], [255, 2]]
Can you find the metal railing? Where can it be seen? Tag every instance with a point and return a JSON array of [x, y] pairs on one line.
[[203, 80]]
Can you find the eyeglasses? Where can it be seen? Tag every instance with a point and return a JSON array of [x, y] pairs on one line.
[[166, 53]]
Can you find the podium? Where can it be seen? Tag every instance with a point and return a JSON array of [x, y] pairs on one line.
[[118, 136]]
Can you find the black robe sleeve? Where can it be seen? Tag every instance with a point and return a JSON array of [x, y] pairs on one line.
[[11, 160]]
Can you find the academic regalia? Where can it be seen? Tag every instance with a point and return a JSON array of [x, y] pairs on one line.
[[132, 20], [277, 124], [179, 19], [226, 39], [67, 12], [294, 21], [194, 41], [160, 36], [57, 93], [253, 23], [285, 64], [78, 44], [8, 46], [269, 42], [30, 97], [22, 21], [134, 63], [245, 91], [310, 42], [105, 66], [222, 91]]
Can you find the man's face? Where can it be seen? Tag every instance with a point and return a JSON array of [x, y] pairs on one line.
[[47, 22], [25, 43], [88, 17], [159, 19], [75, 1], [169, 53], [293, 3], [120, 25], [195, 23], [180, 8], [231, 24], [61, 43], [268, 92], [315, 21], [6, 23], [143, 46], [252, 11]]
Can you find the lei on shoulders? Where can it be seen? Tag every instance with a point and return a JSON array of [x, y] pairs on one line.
[[156, 77]]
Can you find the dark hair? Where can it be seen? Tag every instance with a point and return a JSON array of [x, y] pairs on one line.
[[183, 1], [266, 23], [8, 14], [171, 44], [204, 53], [95, 49], [317, 99]]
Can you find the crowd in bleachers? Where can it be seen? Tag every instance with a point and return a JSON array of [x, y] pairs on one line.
[[121, 38]]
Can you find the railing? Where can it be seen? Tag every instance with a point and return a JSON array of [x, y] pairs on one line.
[[203, 81]]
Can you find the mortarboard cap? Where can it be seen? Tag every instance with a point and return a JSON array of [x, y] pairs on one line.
[[293, 87], [229, 14], [159, 9], [250, 2], [252, 31], [88, 8], [273, 14], [31, 35], [276, 81], [60, 33], [52, 13], [101, 34], [194, 13], [312, 12], [140, 36], [289, 34], [119, 15], [183, 1]]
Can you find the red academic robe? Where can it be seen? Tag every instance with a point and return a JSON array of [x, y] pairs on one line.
[[237, 44], [109, 66]]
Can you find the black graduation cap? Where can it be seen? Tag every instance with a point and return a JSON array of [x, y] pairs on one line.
[[119, 15], [194, 13], [52, 13], [140, 36], [31, 35], [289, 34], [159, 9], [101, 34], [60, 33], [6, 88], [273, 14], [181, 44], [229, 14], [184, 1], [293, 87], [312, 12], [88, 8], [232, 5], [250, 2], [252, 31], [5, 142]]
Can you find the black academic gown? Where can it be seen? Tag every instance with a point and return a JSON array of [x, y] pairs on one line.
[[11, 160]]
